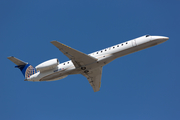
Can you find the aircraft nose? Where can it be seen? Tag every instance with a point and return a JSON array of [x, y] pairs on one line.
[[165, 38], [160, 38]]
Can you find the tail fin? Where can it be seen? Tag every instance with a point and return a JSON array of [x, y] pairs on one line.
[[26, 69]]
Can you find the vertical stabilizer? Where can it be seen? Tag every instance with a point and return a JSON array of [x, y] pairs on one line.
[[26, 69]]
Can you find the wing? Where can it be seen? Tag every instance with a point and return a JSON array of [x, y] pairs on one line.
[[78, 58], [94, 78]]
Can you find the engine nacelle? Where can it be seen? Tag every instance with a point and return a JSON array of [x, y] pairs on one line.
[[47, 65]]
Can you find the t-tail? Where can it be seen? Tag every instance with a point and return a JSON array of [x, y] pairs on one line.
[[26, 69]]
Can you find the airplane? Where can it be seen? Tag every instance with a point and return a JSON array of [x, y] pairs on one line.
[[89, 65]]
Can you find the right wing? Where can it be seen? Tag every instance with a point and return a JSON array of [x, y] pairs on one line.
[[78, 58], [94, 78]]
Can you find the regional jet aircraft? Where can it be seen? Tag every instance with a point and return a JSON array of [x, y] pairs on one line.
[[89, 65]]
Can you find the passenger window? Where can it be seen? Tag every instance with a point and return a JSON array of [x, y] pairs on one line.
[[97, 53], [117, 45], [122, 44], [126, 42], [113, 47]]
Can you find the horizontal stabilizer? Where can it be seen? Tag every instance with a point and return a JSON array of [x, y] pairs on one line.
[[17, 61]]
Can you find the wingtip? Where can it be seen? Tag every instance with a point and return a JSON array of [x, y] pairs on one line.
[[53, 41], [10, 57]]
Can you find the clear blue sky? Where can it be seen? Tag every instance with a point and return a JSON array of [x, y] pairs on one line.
[[141, 86]]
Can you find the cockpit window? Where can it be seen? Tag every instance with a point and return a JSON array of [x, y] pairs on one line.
[[147, 35]]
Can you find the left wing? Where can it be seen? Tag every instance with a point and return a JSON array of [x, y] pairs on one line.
[[94, 78], [78, 58]]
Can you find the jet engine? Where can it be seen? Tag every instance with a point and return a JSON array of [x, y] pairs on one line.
[[47, 65]]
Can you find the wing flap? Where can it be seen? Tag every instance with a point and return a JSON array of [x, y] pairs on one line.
[[94, 78], [78, 58]]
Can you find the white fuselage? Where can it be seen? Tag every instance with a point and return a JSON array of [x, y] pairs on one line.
[[104, 57]]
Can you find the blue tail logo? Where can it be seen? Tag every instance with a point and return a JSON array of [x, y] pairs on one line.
[[27, 70]]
